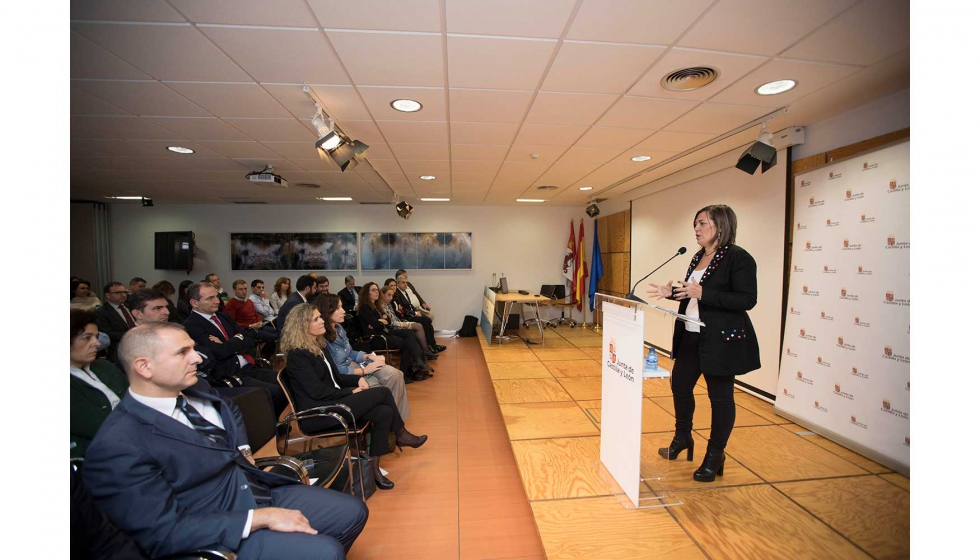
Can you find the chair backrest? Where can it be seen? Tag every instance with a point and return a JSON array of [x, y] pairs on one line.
[[257, 413], [287, 388]]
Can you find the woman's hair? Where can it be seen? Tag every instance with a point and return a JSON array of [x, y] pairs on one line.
[[79, 319], [328, 304], [725, 222], [76, 283], [380, 304], [364, 297], [296, 332], [278, 286], [166, 287], [389, 281], [182, 290]]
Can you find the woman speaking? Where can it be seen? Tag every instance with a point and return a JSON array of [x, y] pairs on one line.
[[719, 289]]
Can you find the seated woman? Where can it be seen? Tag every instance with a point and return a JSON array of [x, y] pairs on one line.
[[281, 291], [372, 321], [96, 385], [168, 290], [183, 304], [81, 296], [351, 362], [316, 381], [389, 309]]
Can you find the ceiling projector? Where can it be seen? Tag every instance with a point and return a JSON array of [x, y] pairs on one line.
[[268, 179]]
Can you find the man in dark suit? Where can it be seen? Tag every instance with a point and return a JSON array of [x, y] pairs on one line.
[[227, 343], [171, 467], [348, 296], [135, 285], [114, 317], [414, 314], [303, 294]]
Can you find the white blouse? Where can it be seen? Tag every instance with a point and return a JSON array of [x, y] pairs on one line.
[[692, 304]]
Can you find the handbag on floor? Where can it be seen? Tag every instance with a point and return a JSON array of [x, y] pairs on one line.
[[469, 327], [362, 472]]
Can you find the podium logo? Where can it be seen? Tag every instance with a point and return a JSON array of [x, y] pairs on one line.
[[816, 405], [864, 271], [825, 317], [848, 296], [888, 351], [854, 421], [859, 323], [890, 354], [890, 299], [624, 370], [857, 373], [612, 351], [843, 345], [848, 246], [886, 406], [790, 353], [891, 242], [831, 176], [812, 247], [895, 187], [814, 202], [866, 219], [803, 379], [832, 223], [842, 394]]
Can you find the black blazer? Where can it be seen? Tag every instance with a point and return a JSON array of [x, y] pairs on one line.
[[728, 290], [226, 353], [312, 385], [369, 319], [109, 322], [407, 309], [292, 301], [347, 300]]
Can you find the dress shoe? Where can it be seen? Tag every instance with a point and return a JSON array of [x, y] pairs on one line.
[[713, 464], [678, 444], [430, 356], [381, 480], [409, 378], [404, 438], [440, 347]]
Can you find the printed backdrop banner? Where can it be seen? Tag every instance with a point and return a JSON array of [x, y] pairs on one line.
[[845, 356]]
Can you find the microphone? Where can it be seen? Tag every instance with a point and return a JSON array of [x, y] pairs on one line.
[[631, 296]]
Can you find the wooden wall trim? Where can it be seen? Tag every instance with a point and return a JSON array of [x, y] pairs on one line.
[[832, 156]]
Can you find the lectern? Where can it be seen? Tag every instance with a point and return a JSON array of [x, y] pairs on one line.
[[637, 484]]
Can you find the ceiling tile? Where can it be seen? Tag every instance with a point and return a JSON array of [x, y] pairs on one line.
[[286, 13], [166, 52], [669, 141], [380, 150], [483, 105], [365, 131], [413, 168], [549, 134], [390, 59], [471, 180], [497, 62], [390, 15], [111, 148], [421, 151], [223, 164], [715, 118], [142, 98], [519, 174], [124, 10], [635, 21], [480, 152], [290, 150], [84, 104], [241, 150], [475, 166], [546, 155], [387, 165], [339, 177], [259, 163], [232, 100], [280, 55], [568, 108], [616, 138], [292, 97], [541, 18], [483, 133], [871, 31], [599, 67], [89, 60], [126, 128], [809, 77], [645, 112], [408, 132], [378, 100], [734, 25], [281, 130], [730, 67], [208, 128]]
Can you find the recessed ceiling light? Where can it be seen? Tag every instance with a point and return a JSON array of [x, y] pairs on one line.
[[773, 88], [585, 188], [406, 105], [530, 200], [126, 197], [427, 177], [641, 158], [434, 199], [334, 198], [180, 150]]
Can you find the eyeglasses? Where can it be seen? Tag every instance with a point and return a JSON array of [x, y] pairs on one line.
[[373, 290], [117, 293]]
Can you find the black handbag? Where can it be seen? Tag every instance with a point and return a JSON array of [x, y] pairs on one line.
[[362, 474], [469, 327]]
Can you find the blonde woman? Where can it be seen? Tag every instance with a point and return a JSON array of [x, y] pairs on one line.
[[316, 381]]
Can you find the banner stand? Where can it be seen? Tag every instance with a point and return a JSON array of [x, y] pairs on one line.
[[637, 485]]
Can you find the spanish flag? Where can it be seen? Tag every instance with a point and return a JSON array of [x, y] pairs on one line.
[[581, 269]]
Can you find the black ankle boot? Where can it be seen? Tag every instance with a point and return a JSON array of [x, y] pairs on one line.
[[678, 444], [404, 438], [382, 481], [713, 464]]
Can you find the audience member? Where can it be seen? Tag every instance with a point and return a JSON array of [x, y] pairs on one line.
[[228, 343], [415, 297], [183, 306], [172, 467], [349, 294], [386, 305], [241, 309], [96, 385], [82, 297], [149, 306], [413, 314], [322, 286], [303, 294], [222, 295], [135, 285], [113, 317], [168, 291], [317, 381], [281, 291], [372, 321], [261, 302]]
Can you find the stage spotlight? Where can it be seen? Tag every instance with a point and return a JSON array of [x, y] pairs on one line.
[[334, 147], [762, 151], [360, 149], [404, 209], [592, 210], [146, 202]]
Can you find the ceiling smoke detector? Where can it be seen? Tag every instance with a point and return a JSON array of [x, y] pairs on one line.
[[689, 79]]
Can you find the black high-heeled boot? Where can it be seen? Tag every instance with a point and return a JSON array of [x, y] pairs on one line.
[[678, 444], [382, 481], [404, 438], [713, 464]]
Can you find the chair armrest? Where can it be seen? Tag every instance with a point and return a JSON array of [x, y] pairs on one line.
[[203, 554], [290, 463]]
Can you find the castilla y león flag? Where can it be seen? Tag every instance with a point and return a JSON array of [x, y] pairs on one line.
[[581, 269], [568, 265]]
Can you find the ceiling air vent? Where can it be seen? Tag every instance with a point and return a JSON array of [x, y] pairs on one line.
[[306, 185], [548, 188], [688, 79]]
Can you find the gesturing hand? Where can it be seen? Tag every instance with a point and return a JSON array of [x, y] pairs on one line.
[[689, 290], [660, 291], [281, 520]]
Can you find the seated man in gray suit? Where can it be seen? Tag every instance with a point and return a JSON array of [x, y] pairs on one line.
[[172, 468]]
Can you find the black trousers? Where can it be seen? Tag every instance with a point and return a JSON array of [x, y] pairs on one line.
[[721, 393], [375, 404], [411, 353], [269, 335], [430, 334]]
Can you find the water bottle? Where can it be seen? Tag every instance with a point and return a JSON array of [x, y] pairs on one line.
[[651, 361]]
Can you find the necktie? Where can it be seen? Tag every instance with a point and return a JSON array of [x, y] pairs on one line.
[[129, 318], [218, 435], [217, 323]]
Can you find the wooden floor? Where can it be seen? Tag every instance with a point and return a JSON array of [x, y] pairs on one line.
[[509, 472]]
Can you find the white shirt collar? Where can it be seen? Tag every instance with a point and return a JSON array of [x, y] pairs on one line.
[[302, 296], [206, 316], [163, 405]]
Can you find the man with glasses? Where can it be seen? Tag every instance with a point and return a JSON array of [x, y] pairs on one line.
[[114, 317]]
